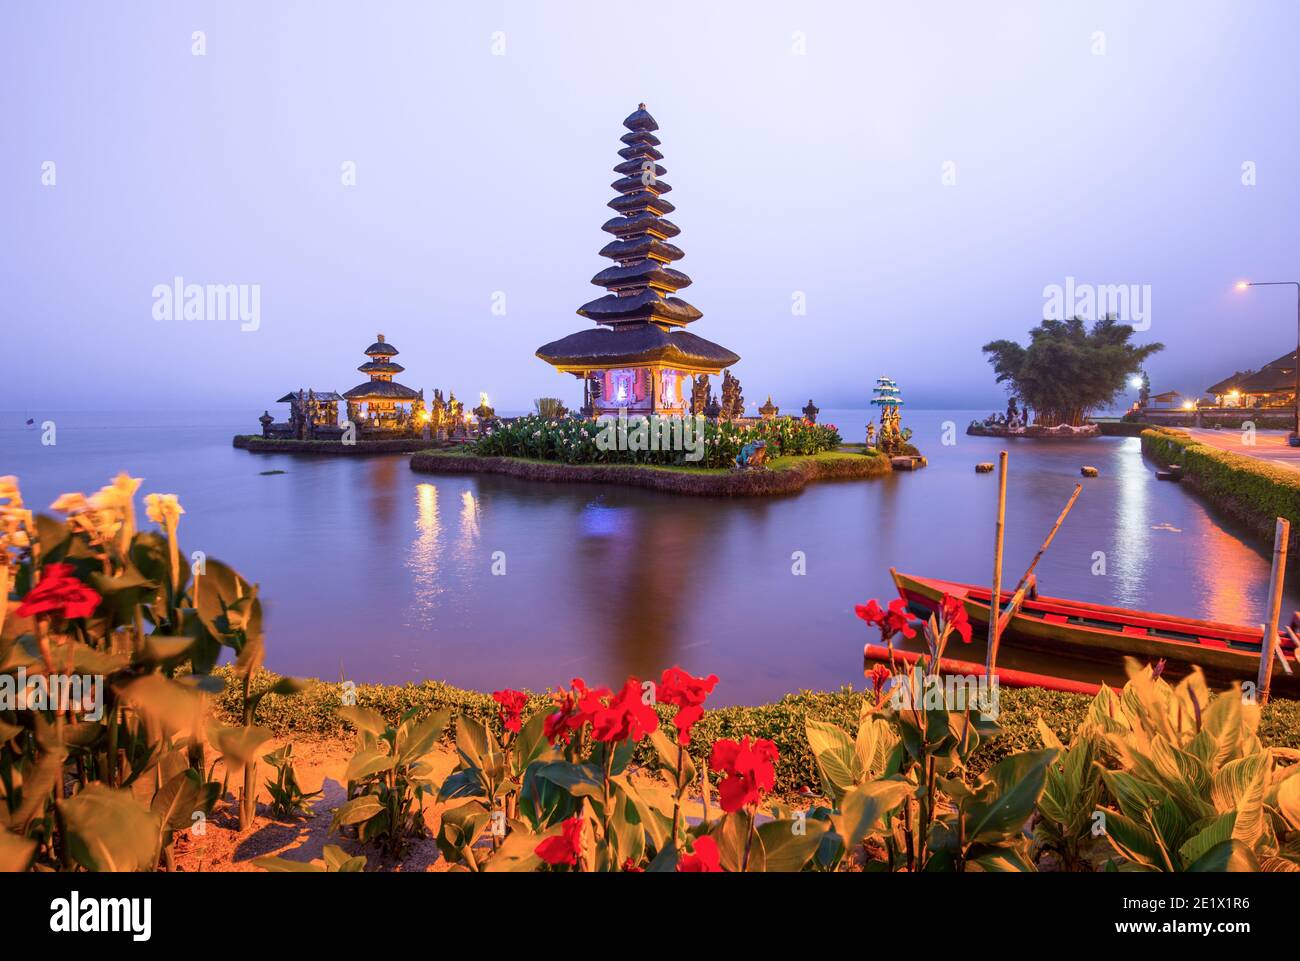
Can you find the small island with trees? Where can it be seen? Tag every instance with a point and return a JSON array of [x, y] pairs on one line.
[[1068, 371]]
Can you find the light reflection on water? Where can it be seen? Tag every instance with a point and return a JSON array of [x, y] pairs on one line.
[[365, 565]]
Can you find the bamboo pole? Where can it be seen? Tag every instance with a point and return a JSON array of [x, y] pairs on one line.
[[1281, 535], [1004, 616], [991, 656]]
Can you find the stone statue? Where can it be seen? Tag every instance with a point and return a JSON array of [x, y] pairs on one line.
[[266, 420], [769, 410], [753, 455], [811, 411], [871, 442], [700, 393], [733, 402]]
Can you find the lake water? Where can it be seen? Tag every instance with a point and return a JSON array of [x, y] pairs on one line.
[[375, 573]]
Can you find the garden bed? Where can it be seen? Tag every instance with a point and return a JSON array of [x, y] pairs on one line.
[[313, 714], [784, 475], [281, 445]]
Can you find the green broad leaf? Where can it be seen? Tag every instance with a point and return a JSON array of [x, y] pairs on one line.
[[837, 757], [1134, 796], [579, 780], [39, 778], [1206, 834], [479, 746], [369, 761], [530, 743], [356, 811], [109, 830], [667, 751], [205, 683], [288, 686], [160, 648], [363, 719], [863, 807], [1251, 817], [518, 852], [177, 801], [463, 784], [1235, 778], [1134, 841], [422, 738], [238, 745], [1230, 855], [338, 861], [1017, 783], [998, 859], [1288, 798], [731, 836], [279, 865], [171, 704], [15, 852], [788, 845]]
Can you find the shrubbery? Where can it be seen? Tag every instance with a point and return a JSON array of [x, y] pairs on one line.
[[1250, 487], [574, 441]]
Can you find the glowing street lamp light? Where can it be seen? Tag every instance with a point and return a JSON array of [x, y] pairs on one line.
[[1242, 285], [1135, 382]]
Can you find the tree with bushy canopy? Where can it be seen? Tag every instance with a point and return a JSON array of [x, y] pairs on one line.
[[1069, 370]]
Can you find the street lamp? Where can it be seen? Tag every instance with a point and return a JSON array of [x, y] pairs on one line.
[[1242, 285]]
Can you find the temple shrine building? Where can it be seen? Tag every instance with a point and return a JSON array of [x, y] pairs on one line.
[[381, 402], [639, 357]]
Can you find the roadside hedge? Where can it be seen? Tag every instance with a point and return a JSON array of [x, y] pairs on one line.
[[1251, 489], [311, 715]]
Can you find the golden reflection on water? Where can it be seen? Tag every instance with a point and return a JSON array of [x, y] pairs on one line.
[[1132, 553], [468, 521], [422, 558], [1222, 568]]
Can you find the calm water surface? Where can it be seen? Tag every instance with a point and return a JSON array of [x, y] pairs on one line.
[[380, 574]]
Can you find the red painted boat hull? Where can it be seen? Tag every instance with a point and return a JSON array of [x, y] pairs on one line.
[[1006, 676]]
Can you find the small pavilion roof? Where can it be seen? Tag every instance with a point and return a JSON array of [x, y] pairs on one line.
[[381, 367], [327, 396], [381, 348]]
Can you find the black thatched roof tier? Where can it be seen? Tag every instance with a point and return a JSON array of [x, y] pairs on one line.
[[645, 152], [1229, 383], [381, 390], [630, 168], [639, 224], [644, 246], [631, 346], [641, 273], [646, 305], [381, 348], [640, 119], [325, 396], [381, 367], [633, 184], [641, 200], [640, 137]]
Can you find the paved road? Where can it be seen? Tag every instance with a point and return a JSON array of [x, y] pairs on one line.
[[1270, 445]]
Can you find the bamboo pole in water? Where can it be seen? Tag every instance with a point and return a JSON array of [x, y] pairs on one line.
[[1004, 616], [1267, 643], [991, 656]]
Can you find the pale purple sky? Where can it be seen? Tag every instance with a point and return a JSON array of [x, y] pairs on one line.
[[819, 172]]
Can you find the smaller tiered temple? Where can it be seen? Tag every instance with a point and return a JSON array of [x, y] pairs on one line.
[[381, 403], [640, 358]]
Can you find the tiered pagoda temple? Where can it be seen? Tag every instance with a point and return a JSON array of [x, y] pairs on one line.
[[639, 357], [381, 402]]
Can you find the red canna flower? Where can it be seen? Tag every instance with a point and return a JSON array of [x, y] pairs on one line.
[[953, 613], [879, 677], [688, 694], [565, 848], [630, 867], [574, 708], [750, 769], [891, 622], [705, 858], [626, 716], [59, 592], [512, 704]]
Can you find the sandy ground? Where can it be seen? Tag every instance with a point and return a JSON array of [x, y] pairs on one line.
[[320, 766]]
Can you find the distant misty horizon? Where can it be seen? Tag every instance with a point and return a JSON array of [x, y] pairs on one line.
[[861, 190]]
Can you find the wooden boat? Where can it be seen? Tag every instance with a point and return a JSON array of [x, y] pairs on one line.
[[1226, 652]]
